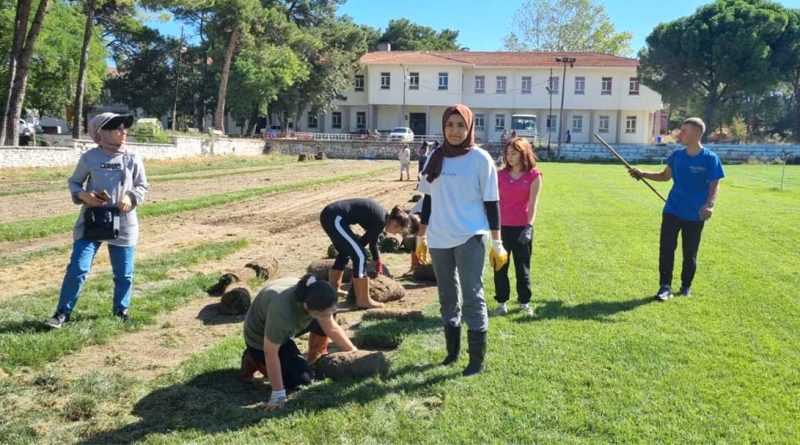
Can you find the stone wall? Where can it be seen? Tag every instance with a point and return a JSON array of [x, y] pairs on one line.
[[186, 146], [570, 152], [181, 147]]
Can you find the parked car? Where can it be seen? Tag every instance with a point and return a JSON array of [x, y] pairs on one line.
[[402, 134], [26, 129]]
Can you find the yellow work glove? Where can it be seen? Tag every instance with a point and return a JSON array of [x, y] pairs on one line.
[[422, 249], [498, 255]]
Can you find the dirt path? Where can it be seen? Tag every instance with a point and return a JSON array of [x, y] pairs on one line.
[[255, 219], [286, 228]]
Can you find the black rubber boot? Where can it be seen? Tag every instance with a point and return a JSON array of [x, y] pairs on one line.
[[477, 351], [452, 337]]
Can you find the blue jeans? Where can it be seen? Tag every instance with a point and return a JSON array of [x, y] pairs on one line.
[[83, 253]]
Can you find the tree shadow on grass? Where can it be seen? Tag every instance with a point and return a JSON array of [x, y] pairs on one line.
[[595, 310], [36, 326], [218, 401], [388, 334]]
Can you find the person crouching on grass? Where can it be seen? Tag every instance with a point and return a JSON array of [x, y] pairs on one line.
[[282, 311], [336, 219], [520, 183], [695, 172], [460, 209]]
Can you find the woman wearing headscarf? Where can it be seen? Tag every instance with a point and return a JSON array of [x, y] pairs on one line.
[[460, 211], [112, 177]]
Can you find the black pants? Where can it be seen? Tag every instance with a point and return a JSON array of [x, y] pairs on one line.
[[671, 225], [294, 367], [345, 241], [521, 253]]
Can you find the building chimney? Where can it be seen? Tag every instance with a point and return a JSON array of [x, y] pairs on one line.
[[384, 45]]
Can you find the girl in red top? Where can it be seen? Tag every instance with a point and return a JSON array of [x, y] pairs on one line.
[[520, 183]]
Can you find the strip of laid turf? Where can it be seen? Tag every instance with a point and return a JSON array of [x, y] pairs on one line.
[[25, 342], [600, 363], [13, 260], [41, 227], [154, 167]]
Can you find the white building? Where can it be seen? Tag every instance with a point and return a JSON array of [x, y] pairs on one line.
[[412, 88]]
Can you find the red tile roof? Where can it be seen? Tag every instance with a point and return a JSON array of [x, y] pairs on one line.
[[496, 58]]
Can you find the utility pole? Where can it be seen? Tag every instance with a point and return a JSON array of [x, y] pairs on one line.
[[550, 112], [571, 62], [403, 108], [177, 77]]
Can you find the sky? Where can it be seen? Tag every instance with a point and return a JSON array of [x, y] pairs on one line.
[[482, 24]]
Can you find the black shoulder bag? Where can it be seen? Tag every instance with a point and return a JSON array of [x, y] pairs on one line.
[[102, 223]]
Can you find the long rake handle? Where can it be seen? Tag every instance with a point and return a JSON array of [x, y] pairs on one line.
[[627, 165]]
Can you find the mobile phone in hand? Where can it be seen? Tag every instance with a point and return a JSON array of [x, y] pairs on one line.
[[104, 196]]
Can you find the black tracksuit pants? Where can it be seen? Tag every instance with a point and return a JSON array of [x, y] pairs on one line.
[[521, 253], [671, 226]]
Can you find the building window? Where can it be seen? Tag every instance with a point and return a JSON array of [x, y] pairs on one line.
[[605, 89], [479, 83], [526, 85], [633, 86], [604, 124], [361, 119], [413, 81], [386, 81], [479, 122], [554, 84], [580, 85], [359, 82], [630, 125], [443, 81], [552, 122], [336, 119], [501, 85], [499, 122], [577, 124], [312, 120]]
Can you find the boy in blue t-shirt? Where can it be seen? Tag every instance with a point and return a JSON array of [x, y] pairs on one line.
[[695, 172]]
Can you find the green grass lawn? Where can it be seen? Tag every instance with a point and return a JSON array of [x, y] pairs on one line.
[[600, 363]]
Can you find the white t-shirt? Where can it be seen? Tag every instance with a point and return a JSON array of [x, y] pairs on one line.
[[457, 197], [405, 156]]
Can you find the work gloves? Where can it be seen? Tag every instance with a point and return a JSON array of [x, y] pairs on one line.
[[422, 249], [277, 400], [498, 255], [526, 236], [379, 267]]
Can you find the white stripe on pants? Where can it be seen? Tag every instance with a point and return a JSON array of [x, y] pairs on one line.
[[354, 244]]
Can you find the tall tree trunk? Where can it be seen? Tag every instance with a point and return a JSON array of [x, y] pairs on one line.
[[79, 90], [21, 78], [219, 116], [712, 100], [796, 90], [20, 29]]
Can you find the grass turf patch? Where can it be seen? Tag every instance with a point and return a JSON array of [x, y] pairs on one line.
[[24, 341], [41, 227]]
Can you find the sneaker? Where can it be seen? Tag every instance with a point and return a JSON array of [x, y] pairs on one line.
[[527, 310], [57, 320], [500, 311], [664, 293], [685, 292], [126, 320]]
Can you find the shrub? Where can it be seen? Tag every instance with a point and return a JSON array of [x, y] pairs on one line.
[[150, 131]]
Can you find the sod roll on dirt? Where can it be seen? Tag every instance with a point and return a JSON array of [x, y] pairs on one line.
[[235, 301], [409, 243], [265, 268], [355, 364], [332, 252], [382, 289], [424, 272], [229, 280], [393, 314]]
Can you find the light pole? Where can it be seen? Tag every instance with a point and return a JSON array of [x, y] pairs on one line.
[[571, 62], [403, 108], [550, 112]]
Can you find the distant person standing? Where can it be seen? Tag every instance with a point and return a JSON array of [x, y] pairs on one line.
[[695, 172], [405, 162], [568, 138], [423, 157]]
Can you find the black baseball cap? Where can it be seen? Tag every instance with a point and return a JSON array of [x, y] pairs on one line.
[[115, 120]]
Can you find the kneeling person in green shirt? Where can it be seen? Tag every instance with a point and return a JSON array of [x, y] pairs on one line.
[[282, 311]]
